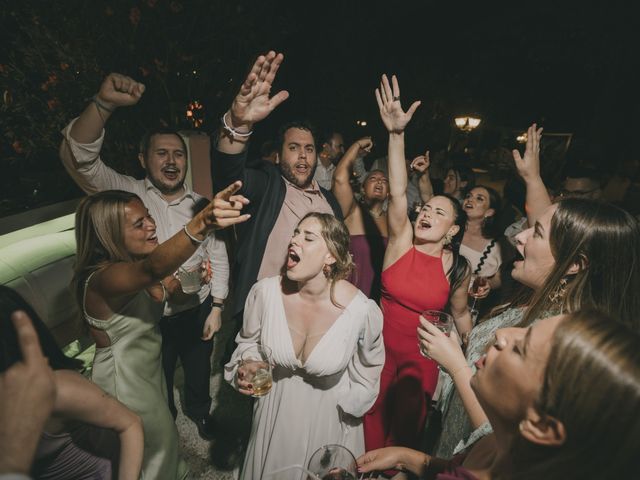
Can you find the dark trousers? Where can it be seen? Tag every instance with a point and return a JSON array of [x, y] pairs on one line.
[[181, 337]]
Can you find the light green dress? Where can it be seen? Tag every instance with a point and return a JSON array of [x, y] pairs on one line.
[[130, 369]]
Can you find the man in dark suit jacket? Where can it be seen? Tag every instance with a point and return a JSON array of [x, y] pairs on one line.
[[280, 194]]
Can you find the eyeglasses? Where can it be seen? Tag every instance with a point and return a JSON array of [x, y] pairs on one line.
[[575, 193]]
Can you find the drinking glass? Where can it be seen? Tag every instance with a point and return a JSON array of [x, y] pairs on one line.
[[190, 273], [333, 462], [256, 363], [475, 284], [442, 320]]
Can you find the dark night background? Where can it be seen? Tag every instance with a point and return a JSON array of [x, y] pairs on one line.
[[572, 67]]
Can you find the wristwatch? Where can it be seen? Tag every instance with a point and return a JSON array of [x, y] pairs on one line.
[[219, 305]]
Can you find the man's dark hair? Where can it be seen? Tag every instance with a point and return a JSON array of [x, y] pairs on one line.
[[326, 136], [302, 125], [577, 171], [145, 142], [268, 147]]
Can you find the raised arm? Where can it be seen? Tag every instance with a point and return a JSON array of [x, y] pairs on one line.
[[79, 399], [126, 278], [82, 142], [529, 169], [251, 104], [342, 176], [420, 165], [395, 120], [116, 91]]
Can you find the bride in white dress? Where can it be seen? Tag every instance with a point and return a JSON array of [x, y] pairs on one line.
[[326, 341]]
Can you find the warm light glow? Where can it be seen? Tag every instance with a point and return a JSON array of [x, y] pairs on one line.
[[195, 113], [362, 123], [522, 138], [467, 124]]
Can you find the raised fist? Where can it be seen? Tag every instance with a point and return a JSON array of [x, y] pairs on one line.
[[120, 91]]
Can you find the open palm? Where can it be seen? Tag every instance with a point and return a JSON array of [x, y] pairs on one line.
[[394, 118], [252, 103]]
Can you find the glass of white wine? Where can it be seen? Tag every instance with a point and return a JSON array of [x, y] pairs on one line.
[[256, 365], [476, 285]]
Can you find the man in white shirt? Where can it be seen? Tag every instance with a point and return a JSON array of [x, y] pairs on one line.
[[332, 151], [188, 327]]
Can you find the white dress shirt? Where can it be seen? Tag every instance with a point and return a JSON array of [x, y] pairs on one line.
[[93, 176]]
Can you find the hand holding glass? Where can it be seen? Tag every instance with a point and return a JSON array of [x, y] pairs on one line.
[[255, 365], [442, 320], [190, 274]]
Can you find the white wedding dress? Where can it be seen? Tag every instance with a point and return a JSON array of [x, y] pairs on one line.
[[316, 403]]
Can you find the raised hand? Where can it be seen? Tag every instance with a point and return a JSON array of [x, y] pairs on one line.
[[120, 91], [365, 145], [225, 208], [421, 163], [529, 165], [394, 118], [252, 103]]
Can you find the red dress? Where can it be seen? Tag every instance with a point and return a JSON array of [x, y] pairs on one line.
[[414, 283]]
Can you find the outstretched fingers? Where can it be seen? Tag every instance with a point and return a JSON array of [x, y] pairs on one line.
[[275, 65], [414, 106], [396, 86], [229, 190], [387, 89], [27, 339]]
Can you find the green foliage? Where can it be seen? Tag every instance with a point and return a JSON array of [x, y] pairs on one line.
[[56, 54]]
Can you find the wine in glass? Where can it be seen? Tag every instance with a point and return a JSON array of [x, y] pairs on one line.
[[256, 364], [476, 286]]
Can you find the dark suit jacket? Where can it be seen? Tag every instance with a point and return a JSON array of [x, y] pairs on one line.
[[263, 185]]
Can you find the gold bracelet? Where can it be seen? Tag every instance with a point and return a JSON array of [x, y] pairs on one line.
[[193, 238]]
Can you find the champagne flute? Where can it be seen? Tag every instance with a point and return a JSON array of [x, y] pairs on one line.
[[256, 363], [477, 283]]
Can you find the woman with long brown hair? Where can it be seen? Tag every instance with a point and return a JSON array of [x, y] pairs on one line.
[[562, 396]]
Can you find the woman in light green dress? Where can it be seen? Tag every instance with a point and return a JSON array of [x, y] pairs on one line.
[[118, 279]]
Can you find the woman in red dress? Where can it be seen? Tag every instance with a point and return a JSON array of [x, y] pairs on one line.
[[422, 270]]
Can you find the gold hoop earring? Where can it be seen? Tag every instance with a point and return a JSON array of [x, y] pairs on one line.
[[558, 294], [326, 270]]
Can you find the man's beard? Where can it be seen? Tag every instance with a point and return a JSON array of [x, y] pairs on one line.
[[167, 188], [287, 172]]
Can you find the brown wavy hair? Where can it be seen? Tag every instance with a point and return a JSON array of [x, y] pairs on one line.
[[605, 241], [591, 385], [336, 236]]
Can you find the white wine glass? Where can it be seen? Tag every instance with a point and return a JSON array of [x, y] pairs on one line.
[[256, 365]]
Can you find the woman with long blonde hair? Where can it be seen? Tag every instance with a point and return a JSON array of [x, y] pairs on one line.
[[118, 260]]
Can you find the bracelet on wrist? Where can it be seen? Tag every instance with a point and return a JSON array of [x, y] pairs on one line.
[[100, 105], [233, 131], [165, 295], [219, 305], [193, 238]]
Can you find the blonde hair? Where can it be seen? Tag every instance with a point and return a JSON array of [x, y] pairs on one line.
[[99, 230], [336, 236], [592, 386]]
